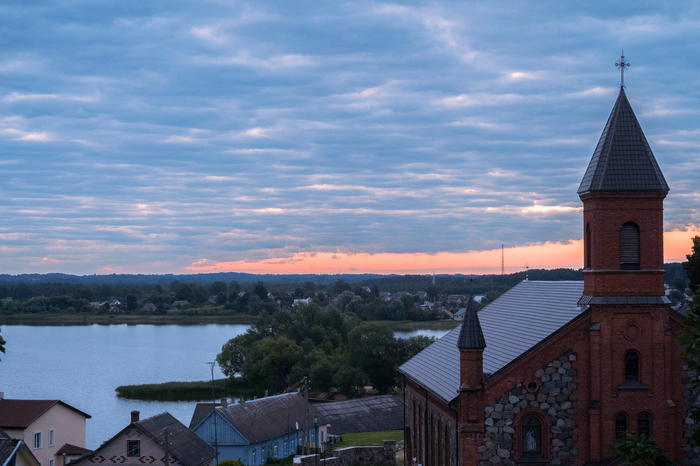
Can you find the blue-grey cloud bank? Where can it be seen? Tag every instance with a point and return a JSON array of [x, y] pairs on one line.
[[147, 136]]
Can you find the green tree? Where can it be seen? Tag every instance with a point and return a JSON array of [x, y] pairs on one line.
[[370, 346], [680, 284], [234, 287], [233, 354], [2, 345], [221, 299], [231, 463], [350, 381], [692, 267], [690, 341], [642, 451], [131, 303], [218, 287], [260, 290], [270, 361], [339, 286]]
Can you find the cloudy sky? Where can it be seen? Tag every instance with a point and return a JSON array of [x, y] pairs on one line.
[[176, 136]]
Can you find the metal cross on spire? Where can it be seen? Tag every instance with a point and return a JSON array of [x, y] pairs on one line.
[[622, 64]]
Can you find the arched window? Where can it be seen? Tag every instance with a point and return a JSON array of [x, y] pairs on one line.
[[629, 246], [588, 246], [620, 426], [631, 366], [532, 437], [644, 425]]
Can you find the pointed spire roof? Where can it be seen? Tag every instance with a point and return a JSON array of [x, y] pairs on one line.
[[623, 160], [471, 336]]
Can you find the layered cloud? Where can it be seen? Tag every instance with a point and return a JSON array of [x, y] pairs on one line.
[[184, 136]]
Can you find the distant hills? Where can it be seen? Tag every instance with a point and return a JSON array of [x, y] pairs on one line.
[[673, 270], [167, 279]]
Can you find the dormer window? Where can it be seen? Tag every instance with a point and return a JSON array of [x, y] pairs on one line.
[[629, 246]]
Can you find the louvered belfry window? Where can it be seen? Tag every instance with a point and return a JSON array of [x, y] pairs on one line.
[[629, 246]]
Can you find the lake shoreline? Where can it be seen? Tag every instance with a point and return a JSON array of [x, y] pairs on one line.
[[59, 320]]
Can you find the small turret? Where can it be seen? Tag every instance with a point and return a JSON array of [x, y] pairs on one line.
[[471, 344]]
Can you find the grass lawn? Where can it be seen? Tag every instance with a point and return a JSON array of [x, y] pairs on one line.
[[369, 438]]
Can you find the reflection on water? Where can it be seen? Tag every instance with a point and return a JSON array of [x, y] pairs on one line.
[[422, 332]]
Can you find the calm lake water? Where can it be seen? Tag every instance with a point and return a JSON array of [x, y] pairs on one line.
[[82, 365]]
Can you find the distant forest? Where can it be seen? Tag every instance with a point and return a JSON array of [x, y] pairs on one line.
[[218, 295]]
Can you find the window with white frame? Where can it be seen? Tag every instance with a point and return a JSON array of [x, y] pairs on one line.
[[37, 440], [254, 457], [52, 462], [286, 451], [275, 449], [52, 438]]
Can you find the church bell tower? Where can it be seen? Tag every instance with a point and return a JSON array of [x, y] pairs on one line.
[[633, 350]]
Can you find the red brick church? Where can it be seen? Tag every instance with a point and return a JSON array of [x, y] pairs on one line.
[[554, 372]]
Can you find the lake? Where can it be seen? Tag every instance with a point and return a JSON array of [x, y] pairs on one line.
[[82, 365]]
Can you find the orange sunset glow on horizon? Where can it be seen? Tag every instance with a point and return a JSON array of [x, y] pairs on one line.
[[547, 255]]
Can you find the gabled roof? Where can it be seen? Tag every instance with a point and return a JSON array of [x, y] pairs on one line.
[[512, 324], [201, 411], [18, 414], [270, 417], [623, 160], [7, 446], [368, 414], [185, 445], [471, 335], [72, 450], [10, 448]]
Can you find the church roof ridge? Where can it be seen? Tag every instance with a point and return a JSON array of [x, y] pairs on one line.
[[623, 159]]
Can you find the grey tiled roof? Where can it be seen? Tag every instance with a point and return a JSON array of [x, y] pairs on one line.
[[512, 324], [471, 335], [185, 445], [623, 160], [271, 417], [368, 414]]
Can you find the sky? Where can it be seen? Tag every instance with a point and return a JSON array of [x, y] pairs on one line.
[[325, 137]]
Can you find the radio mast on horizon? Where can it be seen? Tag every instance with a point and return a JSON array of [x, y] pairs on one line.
[[503, 260]]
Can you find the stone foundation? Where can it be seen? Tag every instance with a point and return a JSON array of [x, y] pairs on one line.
[[354, 456]]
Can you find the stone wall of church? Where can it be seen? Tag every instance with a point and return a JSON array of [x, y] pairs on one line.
[[549, 395], [692, 399], [437, 429]]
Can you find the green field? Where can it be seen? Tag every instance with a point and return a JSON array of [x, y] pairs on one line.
[[369, 438]]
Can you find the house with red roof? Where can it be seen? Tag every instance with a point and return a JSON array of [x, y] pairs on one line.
[[49, 428]]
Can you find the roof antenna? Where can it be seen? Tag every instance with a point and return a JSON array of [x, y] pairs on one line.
[[527, 272], [622, 64]]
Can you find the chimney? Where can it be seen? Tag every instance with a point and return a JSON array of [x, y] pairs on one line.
[[2, 395], [224, 402], [134, 416]]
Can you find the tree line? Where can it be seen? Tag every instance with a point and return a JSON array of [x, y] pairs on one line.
[[332, 349]]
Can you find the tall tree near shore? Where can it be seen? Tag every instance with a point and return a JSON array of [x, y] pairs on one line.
[[692, 266], [2, 345]]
